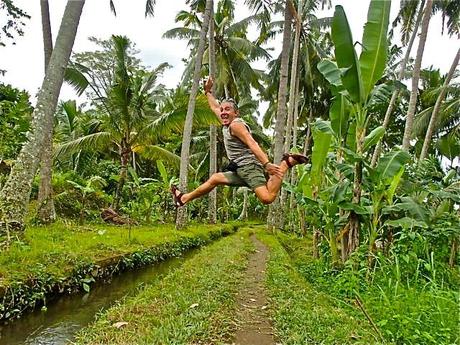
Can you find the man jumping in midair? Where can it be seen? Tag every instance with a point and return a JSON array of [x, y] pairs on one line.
[[248, 160]]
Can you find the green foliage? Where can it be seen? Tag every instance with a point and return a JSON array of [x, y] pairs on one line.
[[13, 22], [15, 113], [406, 288]]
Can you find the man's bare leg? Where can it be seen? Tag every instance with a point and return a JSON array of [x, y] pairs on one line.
[[214, 181], [267, 194]]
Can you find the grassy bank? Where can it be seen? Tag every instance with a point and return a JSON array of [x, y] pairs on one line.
[[403, 311], [303, 315], [195, 304], [61, 258]]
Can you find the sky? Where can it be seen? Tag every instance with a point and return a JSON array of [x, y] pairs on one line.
[[24, 61]]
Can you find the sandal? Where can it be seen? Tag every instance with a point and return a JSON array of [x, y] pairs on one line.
[[300, 159], [177, 197]]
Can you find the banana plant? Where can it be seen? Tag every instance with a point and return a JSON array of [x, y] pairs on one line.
[[353, 83]]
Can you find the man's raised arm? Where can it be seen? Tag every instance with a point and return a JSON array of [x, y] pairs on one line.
[[212, 101]]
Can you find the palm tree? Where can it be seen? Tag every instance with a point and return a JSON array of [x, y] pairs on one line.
[[233, 50], [129, 120], [404, 62], [450, 9], [212, 128], [14, 197], [46, 212], [185, 150], [437, 107], [281, 106]]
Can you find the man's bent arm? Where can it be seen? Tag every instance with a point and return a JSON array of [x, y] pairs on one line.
[[241, 132]]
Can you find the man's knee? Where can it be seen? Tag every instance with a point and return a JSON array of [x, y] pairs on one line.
[[265, 197], [217, 179]]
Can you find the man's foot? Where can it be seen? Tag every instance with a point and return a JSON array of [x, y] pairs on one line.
[[293, 159], [177, 196]]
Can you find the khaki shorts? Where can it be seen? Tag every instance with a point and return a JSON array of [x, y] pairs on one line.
[[248, 175]]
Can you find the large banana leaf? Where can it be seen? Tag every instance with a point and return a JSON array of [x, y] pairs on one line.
[[391, 163], [373, 137], [331, 72], [339, 114], [345, 55], [322, 140], [375, 44]]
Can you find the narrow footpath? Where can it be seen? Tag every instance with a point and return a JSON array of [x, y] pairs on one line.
[[254, 325]]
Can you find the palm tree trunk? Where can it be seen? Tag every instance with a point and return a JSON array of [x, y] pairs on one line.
[[394, 96], [46, 212], [46, 30], [416, 76], [125, 156], [291, 109], [14, 197], [187, 136], [212, 211], [281, 110], [437, 107]]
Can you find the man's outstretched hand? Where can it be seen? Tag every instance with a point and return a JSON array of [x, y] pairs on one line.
[[207, 85], [274, 169]]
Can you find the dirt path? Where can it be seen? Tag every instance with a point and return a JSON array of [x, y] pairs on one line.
[[254, 324]]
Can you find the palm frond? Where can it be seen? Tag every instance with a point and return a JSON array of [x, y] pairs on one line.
[[149, 7], [181, 33], [112, 8], [76, 79], [88, 142]]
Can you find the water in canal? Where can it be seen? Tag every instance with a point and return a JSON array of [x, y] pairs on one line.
[[68, 314]]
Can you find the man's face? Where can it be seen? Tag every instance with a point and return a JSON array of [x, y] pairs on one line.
[[227, 113]]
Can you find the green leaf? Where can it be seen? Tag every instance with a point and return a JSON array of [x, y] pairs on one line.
[[86, 287], [391, 163], [163, 172], [339, 115], [345, 55], [331, 72], [406, 223], [373, 137], [322, 141], [323, 126], [375, 44]]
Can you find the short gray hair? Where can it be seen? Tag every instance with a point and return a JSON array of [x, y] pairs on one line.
[[231, 100]]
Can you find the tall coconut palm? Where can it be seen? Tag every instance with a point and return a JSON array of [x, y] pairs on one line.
[[416, 75], [185, 151], [212, 129], [401, 73], [14, 197], [128, 110], [437, 107], [45, 211], [234, 51], [281, 105]]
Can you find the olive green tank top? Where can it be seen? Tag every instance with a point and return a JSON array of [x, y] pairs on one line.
[[238, 151]]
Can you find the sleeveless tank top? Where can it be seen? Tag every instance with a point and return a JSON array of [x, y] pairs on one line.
[[236, 150]]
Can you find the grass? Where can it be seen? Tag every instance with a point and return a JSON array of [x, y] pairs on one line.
[[404, 313], [62, 258], [301, 314], [58, 248], [195, 304]]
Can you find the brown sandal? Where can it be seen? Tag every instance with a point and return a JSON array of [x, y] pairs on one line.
[[177, 197], [300, 159]]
